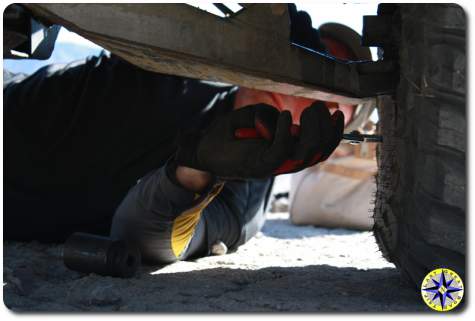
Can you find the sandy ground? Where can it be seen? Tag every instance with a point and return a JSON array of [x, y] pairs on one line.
[[284, 268]]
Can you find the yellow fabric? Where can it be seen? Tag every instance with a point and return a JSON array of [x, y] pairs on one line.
[[184, 225]]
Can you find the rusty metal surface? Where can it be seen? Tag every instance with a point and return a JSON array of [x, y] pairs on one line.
[[250, 49]]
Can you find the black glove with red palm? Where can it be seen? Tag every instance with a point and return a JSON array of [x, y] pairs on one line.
[[314, 141], [258, 141], [219, 149]]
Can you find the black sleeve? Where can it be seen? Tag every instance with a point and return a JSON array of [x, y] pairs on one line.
[[61, 98]]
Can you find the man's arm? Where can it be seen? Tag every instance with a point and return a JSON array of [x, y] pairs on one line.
[[162, 217], [162, 213]]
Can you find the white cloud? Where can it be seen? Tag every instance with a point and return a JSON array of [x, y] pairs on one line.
[[66, 36]]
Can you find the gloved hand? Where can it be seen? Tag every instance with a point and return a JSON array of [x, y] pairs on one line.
[[222, 150], [315, 139], [318, 136]]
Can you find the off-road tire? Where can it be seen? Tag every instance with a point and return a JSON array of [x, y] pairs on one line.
[[421, 197]]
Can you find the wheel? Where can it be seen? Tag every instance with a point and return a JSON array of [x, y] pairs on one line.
[[421, 198]]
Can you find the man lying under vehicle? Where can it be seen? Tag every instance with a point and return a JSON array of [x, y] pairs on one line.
[[174, 165]]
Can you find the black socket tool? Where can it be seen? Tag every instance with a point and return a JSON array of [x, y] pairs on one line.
[[355, 137], [102, 255]]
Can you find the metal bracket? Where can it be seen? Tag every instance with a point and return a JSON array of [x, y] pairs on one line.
[[25, 37]]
